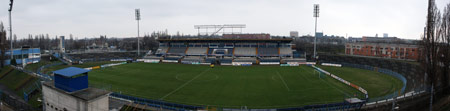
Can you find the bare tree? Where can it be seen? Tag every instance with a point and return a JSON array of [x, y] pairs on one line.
[[444, 49], [2, 45], [430, 43]]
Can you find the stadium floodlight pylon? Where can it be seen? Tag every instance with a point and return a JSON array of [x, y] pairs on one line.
[[10, 27], [138, 17], [316, 15]]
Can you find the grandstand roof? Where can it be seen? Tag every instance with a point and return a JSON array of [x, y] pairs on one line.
[[70, 71]]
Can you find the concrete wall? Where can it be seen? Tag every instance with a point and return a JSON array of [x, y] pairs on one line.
[[57, 101]]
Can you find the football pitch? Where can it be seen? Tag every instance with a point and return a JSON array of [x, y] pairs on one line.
[[235, 87]]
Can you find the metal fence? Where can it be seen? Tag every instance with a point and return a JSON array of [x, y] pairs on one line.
[[38, 71]]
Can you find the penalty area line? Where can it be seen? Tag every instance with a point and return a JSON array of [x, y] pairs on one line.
[[184, 84]]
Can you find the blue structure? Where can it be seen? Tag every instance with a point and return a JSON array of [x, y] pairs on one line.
[[319, 34], [71, 79], [24, 55]]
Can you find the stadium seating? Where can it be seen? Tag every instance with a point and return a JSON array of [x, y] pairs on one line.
[[196, 51], [245, 51], [172, 58], [220, 51], [293, 60], [264, 51], [177, 50], [226, 60], [161, 50], [193, 59], [271, 59], [152, 57], [296, 54], [210, 60], [285, 51], [245, 59]]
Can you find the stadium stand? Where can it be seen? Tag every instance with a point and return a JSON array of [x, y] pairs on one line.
[[245, 51], [226, 60], [210, 60], [245, 59], [172, 58], [162, 50], [177, 50], [296, 54], [193, 59], [286, 60], [196, 51], [149, 55], [220, 51], [269, 59], [235, 49], [266, 51], [285, 51]]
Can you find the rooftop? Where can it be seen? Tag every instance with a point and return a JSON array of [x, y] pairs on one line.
[[70, 71]]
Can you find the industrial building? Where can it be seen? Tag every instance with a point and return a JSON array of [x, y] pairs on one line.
[[385, 50]]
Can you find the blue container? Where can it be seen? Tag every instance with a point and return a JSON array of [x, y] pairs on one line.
[[71, 79]]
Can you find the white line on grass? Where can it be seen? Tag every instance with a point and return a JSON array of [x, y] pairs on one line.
[[184, 84], [283, 81], [344, 92]]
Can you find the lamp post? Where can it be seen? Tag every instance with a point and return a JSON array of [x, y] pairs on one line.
[[10, 29], [138, 17], [316, 15]]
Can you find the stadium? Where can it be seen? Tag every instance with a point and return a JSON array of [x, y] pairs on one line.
[[222, 68], [235, 71], [228, 72]]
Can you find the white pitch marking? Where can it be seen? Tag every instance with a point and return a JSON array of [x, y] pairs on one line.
[[283, 81], [184, 84]]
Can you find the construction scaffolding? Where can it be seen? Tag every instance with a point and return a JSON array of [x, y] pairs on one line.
[[214, 30]]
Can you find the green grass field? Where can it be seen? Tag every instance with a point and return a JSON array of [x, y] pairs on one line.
[[233, 87], [16, 81], [377, 84]]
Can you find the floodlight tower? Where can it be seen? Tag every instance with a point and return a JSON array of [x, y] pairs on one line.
[[138, 17], [316, 15], [10, 28]]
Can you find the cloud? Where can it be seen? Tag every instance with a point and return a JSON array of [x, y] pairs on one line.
[[115, 18]]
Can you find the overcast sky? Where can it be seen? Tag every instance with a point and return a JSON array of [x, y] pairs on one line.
[[115, 18]]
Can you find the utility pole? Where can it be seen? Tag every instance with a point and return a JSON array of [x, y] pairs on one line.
[[316, 15], [10, 29], [138, 17]]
